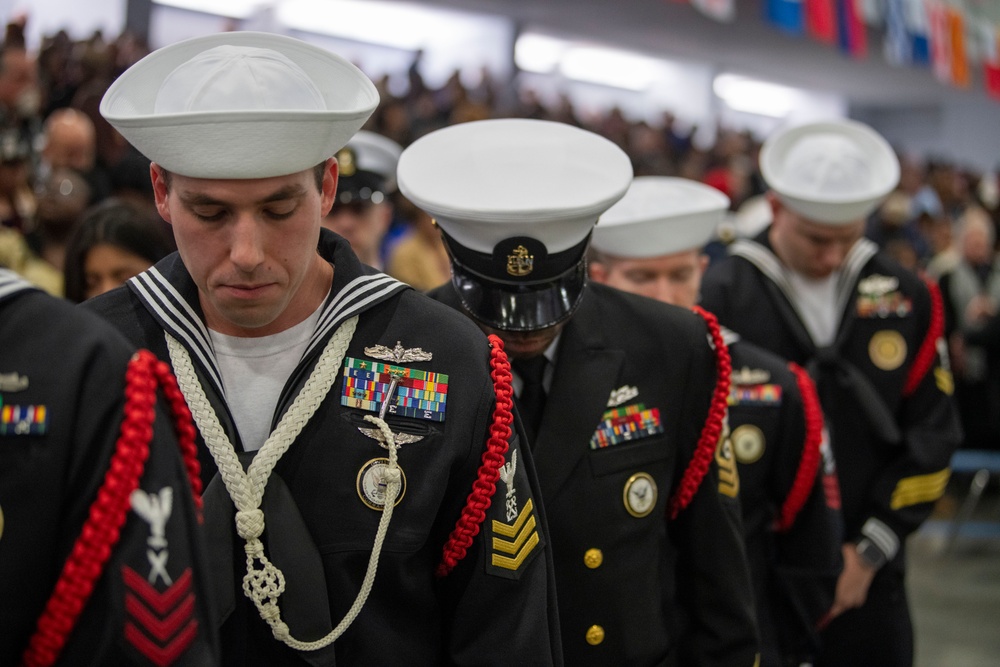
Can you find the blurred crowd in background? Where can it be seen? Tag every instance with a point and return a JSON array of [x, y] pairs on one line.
[[77, 215]]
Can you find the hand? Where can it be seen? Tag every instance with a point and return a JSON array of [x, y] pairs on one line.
[[852, 586]]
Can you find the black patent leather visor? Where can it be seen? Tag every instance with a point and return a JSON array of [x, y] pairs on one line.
[[513, 307]]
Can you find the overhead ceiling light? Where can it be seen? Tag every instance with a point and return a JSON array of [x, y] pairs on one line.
[[538, 53], [609, 67], [393, 24], [237, 9], [742, 93]]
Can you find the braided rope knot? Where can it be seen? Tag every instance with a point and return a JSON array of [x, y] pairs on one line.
[[250, 523]]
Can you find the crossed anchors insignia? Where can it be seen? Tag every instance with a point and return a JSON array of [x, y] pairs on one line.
[[398, 354], [154, 509], [507, 471]]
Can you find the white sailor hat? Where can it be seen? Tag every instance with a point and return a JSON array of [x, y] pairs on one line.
[[516, 200], [367, 168], [833, 172], [660, 215], [239, 105]]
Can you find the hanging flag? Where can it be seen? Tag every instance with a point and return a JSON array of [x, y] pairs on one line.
[[896, 47], [991, 58], [959, 58], [785, 15], [720, 10], [852, 33], [821, 20], [918, 27], [940, 40]]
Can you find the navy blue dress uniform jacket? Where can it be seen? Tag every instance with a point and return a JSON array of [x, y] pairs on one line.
[[892, 448], [638, 590], [62, 396], [794, 569], [495, 608]]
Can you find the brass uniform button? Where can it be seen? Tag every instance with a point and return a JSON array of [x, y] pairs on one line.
[[595, 635], [593, 558]]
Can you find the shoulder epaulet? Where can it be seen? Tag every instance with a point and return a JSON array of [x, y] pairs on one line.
[[805, 476], [481, 497], [705, 450], [928, 348], [107, 515]]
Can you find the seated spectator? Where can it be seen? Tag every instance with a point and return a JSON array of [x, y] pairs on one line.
[[112, 242], [62, 199], [419, 258], [17, 201], [69, 141]]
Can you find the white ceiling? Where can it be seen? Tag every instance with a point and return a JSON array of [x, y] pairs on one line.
[[750, 46]]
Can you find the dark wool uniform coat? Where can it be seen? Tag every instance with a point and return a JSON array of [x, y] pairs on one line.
[[495, 608], [794, 568], [150, 604], [892, 448], [638, 590]]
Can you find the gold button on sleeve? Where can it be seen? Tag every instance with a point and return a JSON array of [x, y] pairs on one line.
[[595, 635], [593, 558]]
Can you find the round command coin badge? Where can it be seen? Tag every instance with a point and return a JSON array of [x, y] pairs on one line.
[[640, 494], [887, 350], [748, 443], [372, 485]]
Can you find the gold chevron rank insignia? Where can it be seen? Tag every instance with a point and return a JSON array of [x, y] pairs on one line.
[[513, 544], [729, 479]]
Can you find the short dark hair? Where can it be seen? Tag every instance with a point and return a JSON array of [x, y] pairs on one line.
[[117, 223], [318, 172]]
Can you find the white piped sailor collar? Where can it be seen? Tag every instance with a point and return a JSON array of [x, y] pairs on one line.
[[12, 283], [171, 297], [759, 253]]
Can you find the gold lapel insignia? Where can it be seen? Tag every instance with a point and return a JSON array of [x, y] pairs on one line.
[[622, 395], [398, 354]]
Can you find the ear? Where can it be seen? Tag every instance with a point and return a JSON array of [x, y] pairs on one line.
[[160, 191], [328, 192], [598, 271]]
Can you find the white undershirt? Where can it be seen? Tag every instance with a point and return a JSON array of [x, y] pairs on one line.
[[816, 301], [254, 371]]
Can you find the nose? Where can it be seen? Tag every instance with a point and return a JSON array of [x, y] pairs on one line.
[[246, 250]]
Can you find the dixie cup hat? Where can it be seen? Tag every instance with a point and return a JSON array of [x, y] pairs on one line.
[[658, 216], [239, 105], [834, 172], [516, 200]]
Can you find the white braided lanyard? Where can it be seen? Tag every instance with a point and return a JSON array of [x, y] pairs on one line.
[[263, 586]]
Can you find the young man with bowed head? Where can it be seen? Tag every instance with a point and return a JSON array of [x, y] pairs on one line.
[[811, 289], [651, 243], [624, 398], [362, 467]]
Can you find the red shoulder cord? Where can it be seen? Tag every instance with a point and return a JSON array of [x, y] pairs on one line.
[[107, 515], [805, 476], [928, 348], [474, 512], [705, 450]]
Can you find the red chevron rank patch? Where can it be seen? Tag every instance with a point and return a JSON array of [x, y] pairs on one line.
[[160, 625]]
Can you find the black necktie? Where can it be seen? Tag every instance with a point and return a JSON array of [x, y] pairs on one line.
[[531, 402]]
